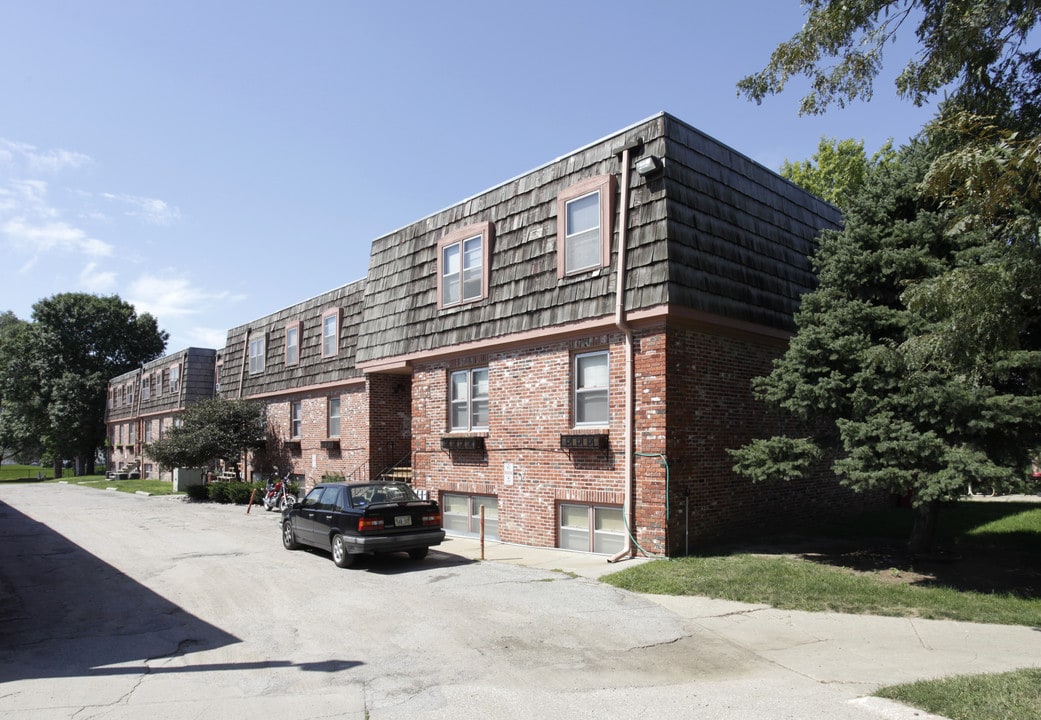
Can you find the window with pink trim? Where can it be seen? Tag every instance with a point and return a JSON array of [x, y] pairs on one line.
[[463, 263], [331, 332], [293, 332], [584, 225]]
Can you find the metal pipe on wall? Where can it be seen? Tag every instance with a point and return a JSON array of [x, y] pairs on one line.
[[623, 326]]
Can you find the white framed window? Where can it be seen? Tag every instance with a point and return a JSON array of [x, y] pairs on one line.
[[330, 333], [591, 380], [584, 214], [148, 431], [293, 343], [146, 387], [334, 417], [468, 400], [175, 378], [256, 355], [296, 418], [463, 263], [591, 528], [461, 514], [132, 433]]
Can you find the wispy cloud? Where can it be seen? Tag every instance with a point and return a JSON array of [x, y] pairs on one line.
[[178, 303], [92, 279], [36, 238], [170, 296], [26, 157], [34, 227], [151, 210]]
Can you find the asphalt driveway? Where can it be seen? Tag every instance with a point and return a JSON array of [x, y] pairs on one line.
[[123, 606]]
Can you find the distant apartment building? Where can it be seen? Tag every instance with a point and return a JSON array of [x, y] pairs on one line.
[[144, 404]]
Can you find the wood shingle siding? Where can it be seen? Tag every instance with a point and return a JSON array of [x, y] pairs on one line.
[[312, 369], [717, 233], [740, 236]]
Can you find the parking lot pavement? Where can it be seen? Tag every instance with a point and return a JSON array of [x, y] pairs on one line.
[[120, 606]]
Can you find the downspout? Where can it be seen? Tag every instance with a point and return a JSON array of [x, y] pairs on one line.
[[627, 333], [242, 380], [245, 359]]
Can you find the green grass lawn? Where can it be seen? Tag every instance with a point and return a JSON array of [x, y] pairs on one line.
[[152, 487], [14, 473], [35, 473], [1005, 696], [988, 572]]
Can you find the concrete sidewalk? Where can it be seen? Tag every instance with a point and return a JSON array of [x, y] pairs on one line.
[[857, 653]]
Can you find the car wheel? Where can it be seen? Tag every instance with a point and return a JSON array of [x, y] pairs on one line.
[[418, 553], [288, 536], [341, 557]]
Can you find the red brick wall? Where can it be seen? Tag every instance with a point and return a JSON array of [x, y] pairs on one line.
[[390, 418], [693, 400], [312, 461], [711, 408], [530, 407]]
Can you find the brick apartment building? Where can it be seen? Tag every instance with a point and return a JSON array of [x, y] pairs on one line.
[[570, 351], [144, 403]]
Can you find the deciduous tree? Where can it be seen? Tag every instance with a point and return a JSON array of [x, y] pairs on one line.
[[54, 383], [211, 430], [837, 170]]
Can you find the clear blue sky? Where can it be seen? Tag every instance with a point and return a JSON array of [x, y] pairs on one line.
[[213, 162]]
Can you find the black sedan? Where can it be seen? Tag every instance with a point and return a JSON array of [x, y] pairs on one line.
[[355, 519]]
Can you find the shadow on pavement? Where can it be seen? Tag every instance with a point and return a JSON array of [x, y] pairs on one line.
[[66, 613]]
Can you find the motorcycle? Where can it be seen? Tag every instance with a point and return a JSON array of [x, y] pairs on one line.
[[277, 495]]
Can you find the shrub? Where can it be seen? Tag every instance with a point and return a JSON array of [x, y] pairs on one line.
[[239, 492], [218, 492], [198, 493]]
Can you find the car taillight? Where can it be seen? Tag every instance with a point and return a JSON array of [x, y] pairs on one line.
[[367, 524], [432, 519]]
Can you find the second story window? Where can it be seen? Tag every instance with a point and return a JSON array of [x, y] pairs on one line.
[[292, 344], [256, 355], [146, 387], [330, 333], [584, 225], [296, 419], [463, 264], [468, 400], [175, 378]]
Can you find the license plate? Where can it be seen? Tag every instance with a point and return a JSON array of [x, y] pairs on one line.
[[402, 520]]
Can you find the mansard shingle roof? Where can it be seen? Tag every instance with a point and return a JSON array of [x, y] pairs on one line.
[[717, 233]]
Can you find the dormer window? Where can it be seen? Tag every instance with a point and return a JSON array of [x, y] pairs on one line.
[[584, 226], [463, 262]]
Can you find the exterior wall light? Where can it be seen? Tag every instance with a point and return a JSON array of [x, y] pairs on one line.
[[649, 165]]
